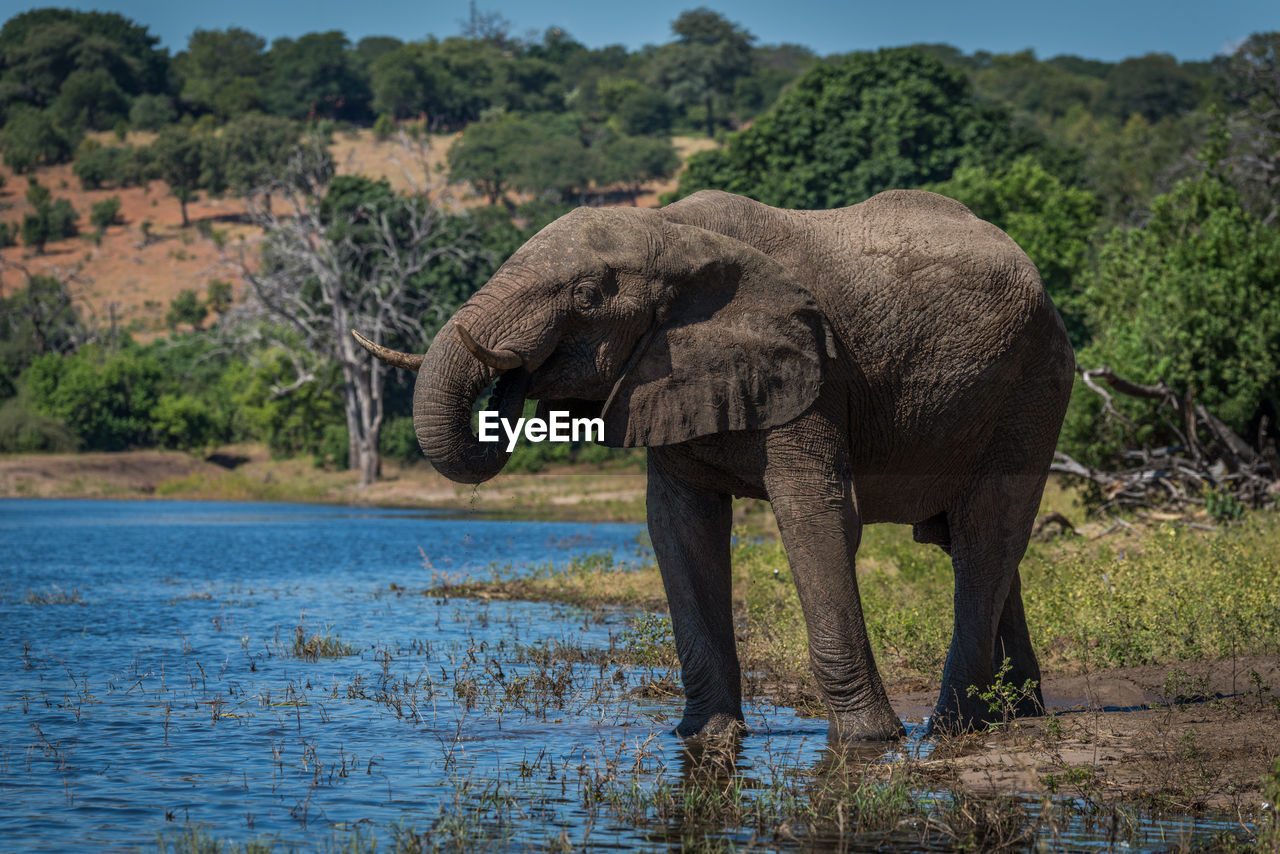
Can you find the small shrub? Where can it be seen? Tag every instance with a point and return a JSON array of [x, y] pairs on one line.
[[1003, 698], [107, 166], [8, 234], [398, 441], [384, 127], [650, 641], [25, 432], [218, 296], [52, 219], [335, 447], [1222, 505], [104, 213], [186, 307]]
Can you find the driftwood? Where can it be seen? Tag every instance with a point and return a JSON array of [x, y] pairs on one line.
[[1209, 457]]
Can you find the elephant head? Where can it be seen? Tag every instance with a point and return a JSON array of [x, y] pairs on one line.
[[668, 331]]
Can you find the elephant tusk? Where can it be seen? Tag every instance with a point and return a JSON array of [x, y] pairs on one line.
[[408, 361], [501, 360]]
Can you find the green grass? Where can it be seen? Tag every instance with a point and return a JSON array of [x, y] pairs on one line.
[[1170, 594]]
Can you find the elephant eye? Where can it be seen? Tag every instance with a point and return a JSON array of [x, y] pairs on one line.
[[587, 295]]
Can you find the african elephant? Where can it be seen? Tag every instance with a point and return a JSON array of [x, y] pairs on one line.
[[893, 361]]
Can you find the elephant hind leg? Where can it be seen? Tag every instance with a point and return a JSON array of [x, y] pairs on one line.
[[1013, 642], [990, 529]]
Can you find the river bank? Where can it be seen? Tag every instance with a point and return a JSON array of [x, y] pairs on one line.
[[248, 473]]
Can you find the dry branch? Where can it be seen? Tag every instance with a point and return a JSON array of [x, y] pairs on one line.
[[1209, 456]]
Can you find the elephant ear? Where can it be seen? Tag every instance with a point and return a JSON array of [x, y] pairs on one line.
[[736, 344]]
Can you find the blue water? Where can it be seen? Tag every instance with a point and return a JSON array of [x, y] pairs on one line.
[[149, 685]]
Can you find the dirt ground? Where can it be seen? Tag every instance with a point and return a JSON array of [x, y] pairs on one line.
[[1185, 736], [134, 474], [247, 472]]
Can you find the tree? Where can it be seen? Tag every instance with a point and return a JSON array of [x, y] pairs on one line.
[[51, 219], [222, 71], [638, 109], [492, 154], [1254, 84], [255, 150], [181, 158], [38, 319], [44, 49], [151, 112], [634, 160], [370, 48], [349, 254], [709, 55], [315, 75], [1153, 86], [870, 122], [89, 100], [32, 139]]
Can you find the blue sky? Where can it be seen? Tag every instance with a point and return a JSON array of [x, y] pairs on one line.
[[1101, 29]]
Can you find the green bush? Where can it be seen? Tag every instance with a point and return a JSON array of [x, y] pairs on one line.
[[384, 127], [108, 166], [9, 234], [32, 139], [106, 399], [183, 422], [398, 441], [186, 307], [335, 447], [1192, 298], [104, 213], [152, 112], [51, 220]]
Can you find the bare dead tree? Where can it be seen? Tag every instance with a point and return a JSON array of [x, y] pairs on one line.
[[48, 311], [1209, 455], [320, 272]]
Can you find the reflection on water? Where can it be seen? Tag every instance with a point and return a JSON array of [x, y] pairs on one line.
[[149, 682]]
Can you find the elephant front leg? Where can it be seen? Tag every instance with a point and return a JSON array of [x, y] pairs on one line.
[[690, 529], [821, 529]]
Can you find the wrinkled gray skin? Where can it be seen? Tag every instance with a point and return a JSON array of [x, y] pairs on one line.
[[894, 361]]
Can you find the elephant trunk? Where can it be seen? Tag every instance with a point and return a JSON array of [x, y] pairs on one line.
[[449, 382]]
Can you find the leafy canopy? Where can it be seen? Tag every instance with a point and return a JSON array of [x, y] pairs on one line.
[[850, 129], [1194, 299]]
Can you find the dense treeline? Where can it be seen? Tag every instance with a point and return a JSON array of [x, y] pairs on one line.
[[64, 72], [1146, 191]]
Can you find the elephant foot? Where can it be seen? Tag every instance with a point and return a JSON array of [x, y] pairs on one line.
[[713, 726], [973, 713], [877, 724]]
